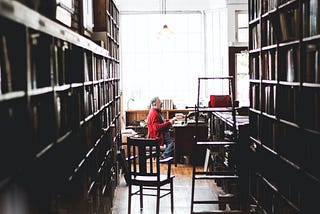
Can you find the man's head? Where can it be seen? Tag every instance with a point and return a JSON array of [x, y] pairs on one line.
[[156, 103]]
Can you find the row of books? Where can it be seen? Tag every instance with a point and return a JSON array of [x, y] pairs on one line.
[[106, 26], [93, 174], [269, 61], [266, 192], [167, 104], [269, 104], [255, 96], [255, 37], [258, 7], [288, 103], [65, 64], [311, 108], [285, 25], [268, 5], [278, 137], [289, 67], [270, 35], [40, 57], [294, 101], [284, 114], [113, 11], [288, 27], [292, 66], [312, 69], [255, 67], [112, 28], [255, 8], [55, 124], [277, 177], [268, 133], [43, 120], [96, 68], [113, 48], [92, 100], [13, 61], [310, 18]]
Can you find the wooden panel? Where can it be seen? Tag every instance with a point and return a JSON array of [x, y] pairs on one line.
[[135, 115]]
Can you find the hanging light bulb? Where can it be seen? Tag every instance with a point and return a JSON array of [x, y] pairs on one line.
[[165, 31]]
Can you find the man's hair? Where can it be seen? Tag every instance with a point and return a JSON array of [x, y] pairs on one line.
[[154, 100]]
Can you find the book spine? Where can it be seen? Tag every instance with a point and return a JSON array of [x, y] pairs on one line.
[[6, 79]]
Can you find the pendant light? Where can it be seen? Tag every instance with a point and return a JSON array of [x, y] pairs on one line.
[[165, 31]]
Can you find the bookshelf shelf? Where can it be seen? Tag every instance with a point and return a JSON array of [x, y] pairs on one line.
[[59, 108], [285, 99]]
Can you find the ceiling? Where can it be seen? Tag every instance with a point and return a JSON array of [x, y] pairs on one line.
[[174, 5]]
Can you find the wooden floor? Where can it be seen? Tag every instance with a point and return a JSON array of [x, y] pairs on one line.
[[182, 195]]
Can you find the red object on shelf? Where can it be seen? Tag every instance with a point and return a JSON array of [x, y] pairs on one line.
[[220, 101]]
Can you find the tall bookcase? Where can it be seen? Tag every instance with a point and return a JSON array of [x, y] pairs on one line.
[[106, 25], [284, 45], [59, 116]]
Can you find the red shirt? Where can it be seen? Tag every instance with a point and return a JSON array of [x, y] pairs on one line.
[[156, 126]]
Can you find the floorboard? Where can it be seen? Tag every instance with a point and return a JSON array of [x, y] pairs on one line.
[[182, 195]]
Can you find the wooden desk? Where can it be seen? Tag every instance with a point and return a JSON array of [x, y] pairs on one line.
[[185, 142]]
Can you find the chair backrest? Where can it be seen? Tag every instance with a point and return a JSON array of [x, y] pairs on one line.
[[143, 157]]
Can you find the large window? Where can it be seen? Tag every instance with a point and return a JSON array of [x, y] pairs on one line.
[[242, 26], [164, 67]]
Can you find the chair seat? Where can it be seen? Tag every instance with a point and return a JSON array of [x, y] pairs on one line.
[[150, 180]]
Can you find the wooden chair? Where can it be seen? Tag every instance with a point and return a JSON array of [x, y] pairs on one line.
[[144, 171]]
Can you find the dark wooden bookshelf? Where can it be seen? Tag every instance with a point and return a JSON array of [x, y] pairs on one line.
[[59, 111], [284, 105]]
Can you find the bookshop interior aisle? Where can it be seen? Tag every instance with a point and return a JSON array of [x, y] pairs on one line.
[[63, 101]]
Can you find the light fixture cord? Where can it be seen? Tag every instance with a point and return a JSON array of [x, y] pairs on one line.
[[164, 7], [161, 6]]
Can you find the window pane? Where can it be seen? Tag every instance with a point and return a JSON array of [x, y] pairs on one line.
[[242, 20], [242, 25], [167, 68], [243, 35]]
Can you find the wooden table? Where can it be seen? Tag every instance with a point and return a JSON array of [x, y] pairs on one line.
[[184, 136]]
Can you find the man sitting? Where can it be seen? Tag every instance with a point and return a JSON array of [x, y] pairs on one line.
[[158, 127]]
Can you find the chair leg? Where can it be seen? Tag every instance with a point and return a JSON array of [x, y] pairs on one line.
[[129, 199], [158, 200], [141, 197], [171, 191]]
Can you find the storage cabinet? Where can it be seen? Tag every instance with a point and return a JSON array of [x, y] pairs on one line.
[[284, 105], [59, 117]]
